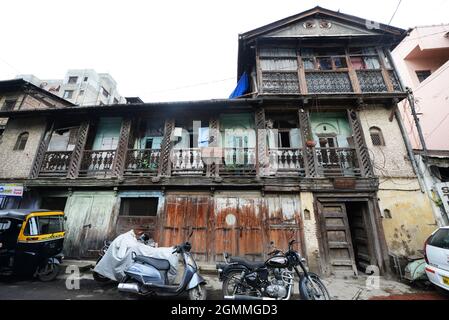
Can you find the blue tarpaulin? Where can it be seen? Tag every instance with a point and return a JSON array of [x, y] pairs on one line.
[[242, 87]]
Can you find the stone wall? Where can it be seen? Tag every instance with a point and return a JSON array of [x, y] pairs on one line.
[[17, 163]]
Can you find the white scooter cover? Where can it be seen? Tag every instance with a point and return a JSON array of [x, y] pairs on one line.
[[118, 257]]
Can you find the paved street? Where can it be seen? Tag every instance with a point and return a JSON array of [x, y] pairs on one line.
[[346, 289]]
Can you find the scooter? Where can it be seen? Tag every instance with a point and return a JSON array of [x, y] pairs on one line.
[[148, 276]]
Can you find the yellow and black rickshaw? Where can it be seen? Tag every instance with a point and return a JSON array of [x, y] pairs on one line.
[[31, 242]]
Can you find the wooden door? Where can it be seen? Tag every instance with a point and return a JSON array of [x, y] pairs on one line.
[[88, 222], [283, 222], [250, 237], [77, 210], [182, 215], [337, 238], [225, 226]]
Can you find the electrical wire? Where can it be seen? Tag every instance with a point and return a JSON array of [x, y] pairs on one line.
[[395, 11]]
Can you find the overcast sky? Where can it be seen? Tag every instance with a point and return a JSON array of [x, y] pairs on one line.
[[162, 50]]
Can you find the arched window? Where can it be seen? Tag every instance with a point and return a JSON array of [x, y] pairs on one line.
[[21, 141], [376, 136]]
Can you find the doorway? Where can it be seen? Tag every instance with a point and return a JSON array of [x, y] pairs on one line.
[[347, 236], [358, 227]]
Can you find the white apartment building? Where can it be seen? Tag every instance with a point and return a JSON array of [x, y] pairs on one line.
[[81, 87]]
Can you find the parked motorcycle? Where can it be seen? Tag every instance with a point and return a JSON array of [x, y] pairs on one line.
[[148, 276], [269, 280], [144, 238]]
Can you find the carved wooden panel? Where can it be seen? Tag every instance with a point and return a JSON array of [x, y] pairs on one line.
[[262, 160], [214, 136], [165, 165], [43, 146], [360, 145], [309, 153], [75, 162], [122, 147]]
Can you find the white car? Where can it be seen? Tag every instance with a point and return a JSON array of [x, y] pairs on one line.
[[436, 254]]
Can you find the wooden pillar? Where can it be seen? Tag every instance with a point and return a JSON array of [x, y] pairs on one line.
[[309, 154], [122, 147], [261, 147], [360, 144], [213, 167], [77, 154], [166, 148], [385, 72], [43, 146], [352, 74]]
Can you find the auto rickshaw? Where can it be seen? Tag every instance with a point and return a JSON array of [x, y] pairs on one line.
[[31, 243]]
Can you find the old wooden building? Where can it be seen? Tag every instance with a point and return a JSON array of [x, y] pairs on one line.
[[303, 153]]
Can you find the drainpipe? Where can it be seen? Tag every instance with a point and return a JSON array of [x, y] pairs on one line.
[[408, 146], [411, 101]]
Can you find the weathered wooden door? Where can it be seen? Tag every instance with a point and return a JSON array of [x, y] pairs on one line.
[[283, 221], [225, 226], [78, 208], [337, 238], [249, 225], [88, 222], [182, 215]]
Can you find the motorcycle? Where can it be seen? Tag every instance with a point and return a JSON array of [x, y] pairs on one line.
[[148, 276], [144, 238], [269, 280]]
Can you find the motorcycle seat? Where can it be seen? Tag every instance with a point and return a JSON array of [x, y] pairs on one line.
[[249, 264], [159, 264]]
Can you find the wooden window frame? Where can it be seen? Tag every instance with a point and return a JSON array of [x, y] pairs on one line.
[[20, 145]]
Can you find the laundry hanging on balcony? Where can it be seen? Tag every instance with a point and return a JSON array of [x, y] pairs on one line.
[[241, 88]]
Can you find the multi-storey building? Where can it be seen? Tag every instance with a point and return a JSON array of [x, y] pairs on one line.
[[81, 87], [422, 59], [313, 150]]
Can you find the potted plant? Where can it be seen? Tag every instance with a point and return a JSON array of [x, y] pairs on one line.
[[310, 142]]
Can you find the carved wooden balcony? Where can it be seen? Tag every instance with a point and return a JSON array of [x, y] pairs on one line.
[[328, 82], [286, 161], [371, 81], [55, 164], [280, 82], [97, 162], [142, 162], [337, 161], [187, 162], [238, 161]]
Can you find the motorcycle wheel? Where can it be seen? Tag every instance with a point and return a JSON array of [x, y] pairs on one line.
[[229, 285], [49, 272], [99, 278], [307, 291], [198, 293]]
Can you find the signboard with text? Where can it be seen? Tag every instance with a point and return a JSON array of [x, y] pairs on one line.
[[11, 190], [443, 192]]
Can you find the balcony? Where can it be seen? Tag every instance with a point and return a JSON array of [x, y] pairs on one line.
[[286, 161], [142, 162], [328, 82], [97, 162], [238, 161], [55, 164], [188, 162], [337, 162]]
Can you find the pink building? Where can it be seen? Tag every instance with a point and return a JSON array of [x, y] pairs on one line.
[[422, 60]]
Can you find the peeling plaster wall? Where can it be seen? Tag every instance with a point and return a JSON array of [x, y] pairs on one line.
[[310, 231], [412, 218], [17, 163], [411, 222], [390, 160]]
